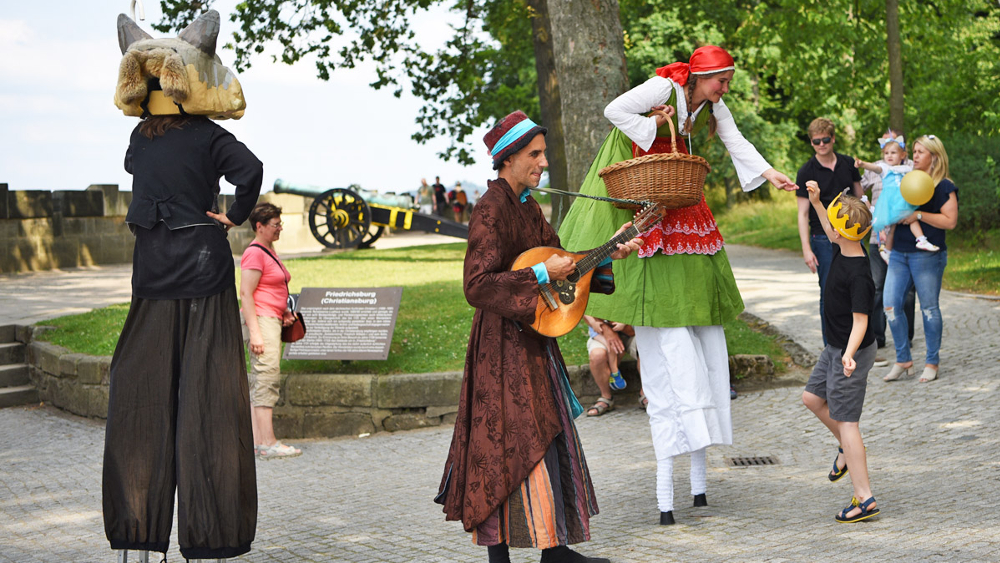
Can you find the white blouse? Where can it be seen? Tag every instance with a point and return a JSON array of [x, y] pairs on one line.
[[624, 112]]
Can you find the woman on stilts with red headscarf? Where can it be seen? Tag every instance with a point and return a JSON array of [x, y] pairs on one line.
[[679, 290]]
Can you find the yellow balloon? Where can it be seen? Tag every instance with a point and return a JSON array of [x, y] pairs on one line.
[[917, 187]]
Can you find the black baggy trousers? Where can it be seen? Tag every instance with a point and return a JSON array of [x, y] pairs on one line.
[[179, 419]]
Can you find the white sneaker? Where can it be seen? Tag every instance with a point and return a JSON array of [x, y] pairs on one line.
[[277, 450], [924, 244]]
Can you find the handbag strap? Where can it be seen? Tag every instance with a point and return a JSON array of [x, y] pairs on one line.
[[280, 267]]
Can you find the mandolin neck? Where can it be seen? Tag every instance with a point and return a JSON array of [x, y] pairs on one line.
[[603, 252]]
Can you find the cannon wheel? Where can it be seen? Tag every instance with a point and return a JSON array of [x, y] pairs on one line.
[[371, 236], [339, 218]]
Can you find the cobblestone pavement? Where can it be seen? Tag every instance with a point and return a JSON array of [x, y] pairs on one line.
[[933, 453]]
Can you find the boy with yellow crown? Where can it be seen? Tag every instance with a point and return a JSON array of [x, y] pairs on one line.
[[835, 392]]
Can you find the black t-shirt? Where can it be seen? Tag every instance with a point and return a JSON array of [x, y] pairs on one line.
[[849, 289], [831, 183], [439, 194], [904, 241]]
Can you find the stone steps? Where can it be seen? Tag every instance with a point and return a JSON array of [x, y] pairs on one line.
[[15, 383]]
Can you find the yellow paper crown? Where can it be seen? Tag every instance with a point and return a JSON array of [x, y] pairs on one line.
[[839, 222]]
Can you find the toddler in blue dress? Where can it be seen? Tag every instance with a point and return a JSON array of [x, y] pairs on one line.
[[890, 207]]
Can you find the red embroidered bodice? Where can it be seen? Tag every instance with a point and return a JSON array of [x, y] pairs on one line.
[[688, 230]]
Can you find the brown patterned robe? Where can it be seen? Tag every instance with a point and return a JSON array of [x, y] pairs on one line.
[[507, 415]]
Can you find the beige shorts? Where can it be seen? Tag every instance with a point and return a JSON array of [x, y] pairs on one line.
[[265, 369], [629, 341]]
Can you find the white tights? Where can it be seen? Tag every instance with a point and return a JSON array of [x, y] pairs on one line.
[[665, 479]]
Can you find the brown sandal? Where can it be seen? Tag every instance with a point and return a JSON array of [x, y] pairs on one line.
[[602, 406]]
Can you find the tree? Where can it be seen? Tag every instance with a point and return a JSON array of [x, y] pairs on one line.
[[894, 50]]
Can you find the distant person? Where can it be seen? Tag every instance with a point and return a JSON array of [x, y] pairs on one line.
[[264, 291], [460, 203], [607, 344], [834, 173], [909, 267], [440, 197], [835, 392], [425, 197], [872, 181]]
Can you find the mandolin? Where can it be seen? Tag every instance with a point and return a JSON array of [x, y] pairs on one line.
[[562, 303]]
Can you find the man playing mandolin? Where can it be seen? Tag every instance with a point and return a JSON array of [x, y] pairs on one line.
[[514, 425]]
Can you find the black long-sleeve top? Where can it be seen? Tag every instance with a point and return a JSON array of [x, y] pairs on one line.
[[179, 251]]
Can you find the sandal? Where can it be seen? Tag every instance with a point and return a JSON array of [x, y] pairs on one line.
[[602, 406], [838, 473], [643, 401], [863, 515]]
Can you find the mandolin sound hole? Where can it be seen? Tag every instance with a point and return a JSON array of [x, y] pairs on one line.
[[574, 277]]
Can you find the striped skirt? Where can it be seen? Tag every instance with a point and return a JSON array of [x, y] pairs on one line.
[[553, 505]]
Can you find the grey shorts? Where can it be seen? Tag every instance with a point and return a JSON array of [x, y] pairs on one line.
[[844, 395]]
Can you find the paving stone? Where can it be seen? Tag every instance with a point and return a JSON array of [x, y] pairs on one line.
[[932, 450]]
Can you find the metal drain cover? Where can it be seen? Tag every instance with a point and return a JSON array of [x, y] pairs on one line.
[[753, 461]]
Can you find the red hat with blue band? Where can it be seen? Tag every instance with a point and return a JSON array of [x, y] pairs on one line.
[[509, 135]]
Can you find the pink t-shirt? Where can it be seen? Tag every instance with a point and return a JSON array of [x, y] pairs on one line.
[[271, 295]]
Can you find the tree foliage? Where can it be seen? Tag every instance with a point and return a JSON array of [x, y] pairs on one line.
[[796, 59]]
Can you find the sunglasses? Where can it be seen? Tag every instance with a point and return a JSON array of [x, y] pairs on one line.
[[823, 141]]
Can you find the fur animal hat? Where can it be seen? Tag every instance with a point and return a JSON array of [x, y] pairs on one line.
[[176, 75]]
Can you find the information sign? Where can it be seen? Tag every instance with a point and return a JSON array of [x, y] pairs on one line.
[[346, 323]]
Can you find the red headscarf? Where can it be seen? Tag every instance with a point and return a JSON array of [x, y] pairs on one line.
[[704, 60]]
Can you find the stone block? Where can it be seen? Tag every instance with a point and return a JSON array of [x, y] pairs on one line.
[[23, 333], [342, 390], [437, 412], [449, 419], [78, 203], [287, 424], [67, 364], [8, 333], [335, 424], [65, 252], [93, 370], [757, 366], [45, 356], [409, 421], [29, 204], [418, 390], [4, 190], [112, 198], [97, 400], [71, 397]]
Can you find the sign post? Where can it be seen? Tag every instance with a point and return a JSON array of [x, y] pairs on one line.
[[346, 323]]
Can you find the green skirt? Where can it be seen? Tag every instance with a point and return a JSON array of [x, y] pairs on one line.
[[658, 291]]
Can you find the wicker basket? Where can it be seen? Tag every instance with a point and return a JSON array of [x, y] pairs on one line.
[[673, 179]]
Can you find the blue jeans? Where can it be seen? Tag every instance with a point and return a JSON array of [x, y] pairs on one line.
[[924, 271], [879, 268], [823, 249]]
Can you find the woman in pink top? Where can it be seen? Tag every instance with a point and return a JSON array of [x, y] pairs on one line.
[[264, 291]]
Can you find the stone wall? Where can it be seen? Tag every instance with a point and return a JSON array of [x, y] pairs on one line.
[[320, 405], [311, 405], [45, 230]]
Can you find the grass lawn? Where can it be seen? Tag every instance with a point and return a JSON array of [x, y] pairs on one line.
[[432, 328], [973, 259]]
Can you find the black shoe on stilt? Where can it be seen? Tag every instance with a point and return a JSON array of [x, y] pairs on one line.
[[700, 500], [563, 554], [667, 518]]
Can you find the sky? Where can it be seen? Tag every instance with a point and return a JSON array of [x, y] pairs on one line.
[[60, 130]]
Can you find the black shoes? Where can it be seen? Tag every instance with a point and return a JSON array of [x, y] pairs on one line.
[[700, 500], [563, 554], [667, 518]]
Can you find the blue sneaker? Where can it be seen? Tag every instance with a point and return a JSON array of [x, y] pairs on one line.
[[617, 381], [732, 393]]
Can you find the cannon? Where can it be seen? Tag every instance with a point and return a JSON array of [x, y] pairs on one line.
[[352, 217]]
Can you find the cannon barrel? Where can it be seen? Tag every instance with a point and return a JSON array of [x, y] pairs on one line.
[[372, 198]]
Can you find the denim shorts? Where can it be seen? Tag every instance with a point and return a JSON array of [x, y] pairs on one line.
[[844, 395]]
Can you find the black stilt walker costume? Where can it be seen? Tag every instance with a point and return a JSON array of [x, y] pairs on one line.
[[179, 410]]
